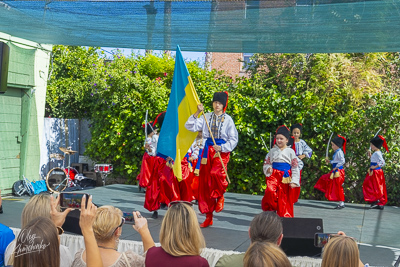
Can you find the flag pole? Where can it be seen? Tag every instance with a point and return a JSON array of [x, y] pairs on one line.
[[219, 155]]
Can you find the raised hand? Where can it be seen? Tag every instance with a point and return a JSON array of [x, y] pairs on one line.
[[57, 217]]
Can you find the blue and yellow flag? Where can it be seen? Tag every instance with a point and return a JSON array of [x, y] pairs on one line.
[[174, 139]]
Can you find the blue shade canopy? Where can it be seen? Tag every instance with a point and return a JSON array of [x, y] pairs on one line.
[[268, 26]]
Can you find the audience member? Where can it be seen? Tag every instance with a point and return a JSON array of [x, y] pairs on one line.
[[180, 237], [6, 236], [341, 251], [37, 245], [86, 220], [265, 227], [107, 228], [265, 254], [43, 205]]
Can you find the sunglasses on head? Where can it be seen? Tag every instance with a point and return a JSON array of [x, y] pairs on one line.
[[120, 225], [60, 231], [179, 201]]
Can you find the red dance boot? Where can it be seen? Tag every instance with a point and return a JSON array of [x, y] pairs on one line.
[[220, 204], [208, 221]]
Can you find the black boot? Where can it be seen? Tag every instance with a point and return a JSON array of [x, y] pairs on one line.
[[155, 215], [1, 209]]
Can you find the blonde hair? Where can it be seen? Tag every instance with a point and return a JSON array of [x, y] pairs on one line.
[[108, 218], [341, 251], [38, 205], [265, 254], [180, 233]]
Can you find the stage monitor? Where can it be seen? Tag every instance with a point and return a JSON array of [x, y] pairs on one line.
[[298, 236]]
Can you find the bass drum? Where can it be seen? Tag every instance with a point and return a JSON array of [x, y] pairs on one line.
[[72, 172], [56, 180]]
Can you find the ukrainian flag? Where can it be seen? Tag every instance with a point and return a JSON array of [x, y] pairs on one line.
[[175, 140]]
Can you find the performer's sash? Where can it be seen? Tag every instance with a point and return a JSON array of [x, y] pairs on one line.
[[209, 142], [285, 167], [197, 168], [335, 173], [371, 171]]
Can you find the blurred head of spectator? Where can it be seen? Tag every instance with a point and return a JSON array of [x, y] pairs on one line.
[[341, 251], [180, 232], [265, 254], [38, 206], [266, 227], [107, 225], [37, 244]]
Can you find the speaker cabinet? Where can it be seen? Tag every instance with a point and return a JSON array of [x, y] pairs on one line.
[[298, 236], [71, 223], [4, 58]]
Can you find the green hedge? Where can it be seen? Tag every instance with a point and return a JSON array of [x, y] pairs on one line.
[[350, 94]]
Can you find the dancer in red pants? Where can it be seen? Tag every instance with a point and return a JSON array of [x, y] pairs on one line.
[[374, 186], [212, 178]]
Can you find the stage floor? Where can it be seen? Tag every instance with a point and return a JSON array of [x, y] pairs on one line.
[[377, 231]]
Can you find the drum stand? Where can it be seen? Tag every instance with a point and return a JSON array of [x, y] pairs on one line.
[[103, 176], [68, 152]]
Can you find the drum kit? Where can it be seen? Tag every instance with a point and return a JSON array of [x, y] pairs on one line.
[[104, 170], [59, 178]]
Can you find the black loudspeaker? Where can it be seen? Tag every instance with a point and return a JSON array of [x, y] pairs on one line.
[[71, 223], [298, 236], [4, 57]]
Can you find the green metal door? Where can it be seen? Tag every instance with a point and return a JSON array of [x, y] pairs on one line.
[[10, 138]]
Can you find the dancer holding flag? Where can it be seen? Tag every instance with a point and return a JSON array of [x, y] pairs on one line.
[[175, 140], [374, 186], [213, 175]]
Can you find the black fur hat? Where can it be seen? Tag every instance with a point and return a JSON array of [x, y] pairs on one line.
[[160, 119], [340, 141], [379, 141], [221, 97], [298, 126], [283, 130]]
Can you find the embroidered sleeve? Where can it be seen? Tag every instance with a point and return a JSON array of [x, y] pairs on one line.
[[294, 163], [295, 170], [267, 165]]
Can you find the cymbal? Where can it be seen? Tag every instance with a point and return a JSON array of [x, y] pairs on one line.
[[57, 156], [67, 151]]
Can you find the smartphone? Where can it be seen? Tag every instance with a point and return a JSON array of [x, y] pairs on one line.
[[128, 217], [320, 239], [72, 200]]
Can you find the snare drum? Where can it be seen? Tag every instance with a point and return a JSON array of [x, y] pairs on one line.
[[103, 168], [72, 172]]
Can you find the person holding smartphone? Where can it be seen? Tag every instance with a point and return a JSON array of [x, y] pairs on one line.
[[341, 251], [107, 228], [47, 206]]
